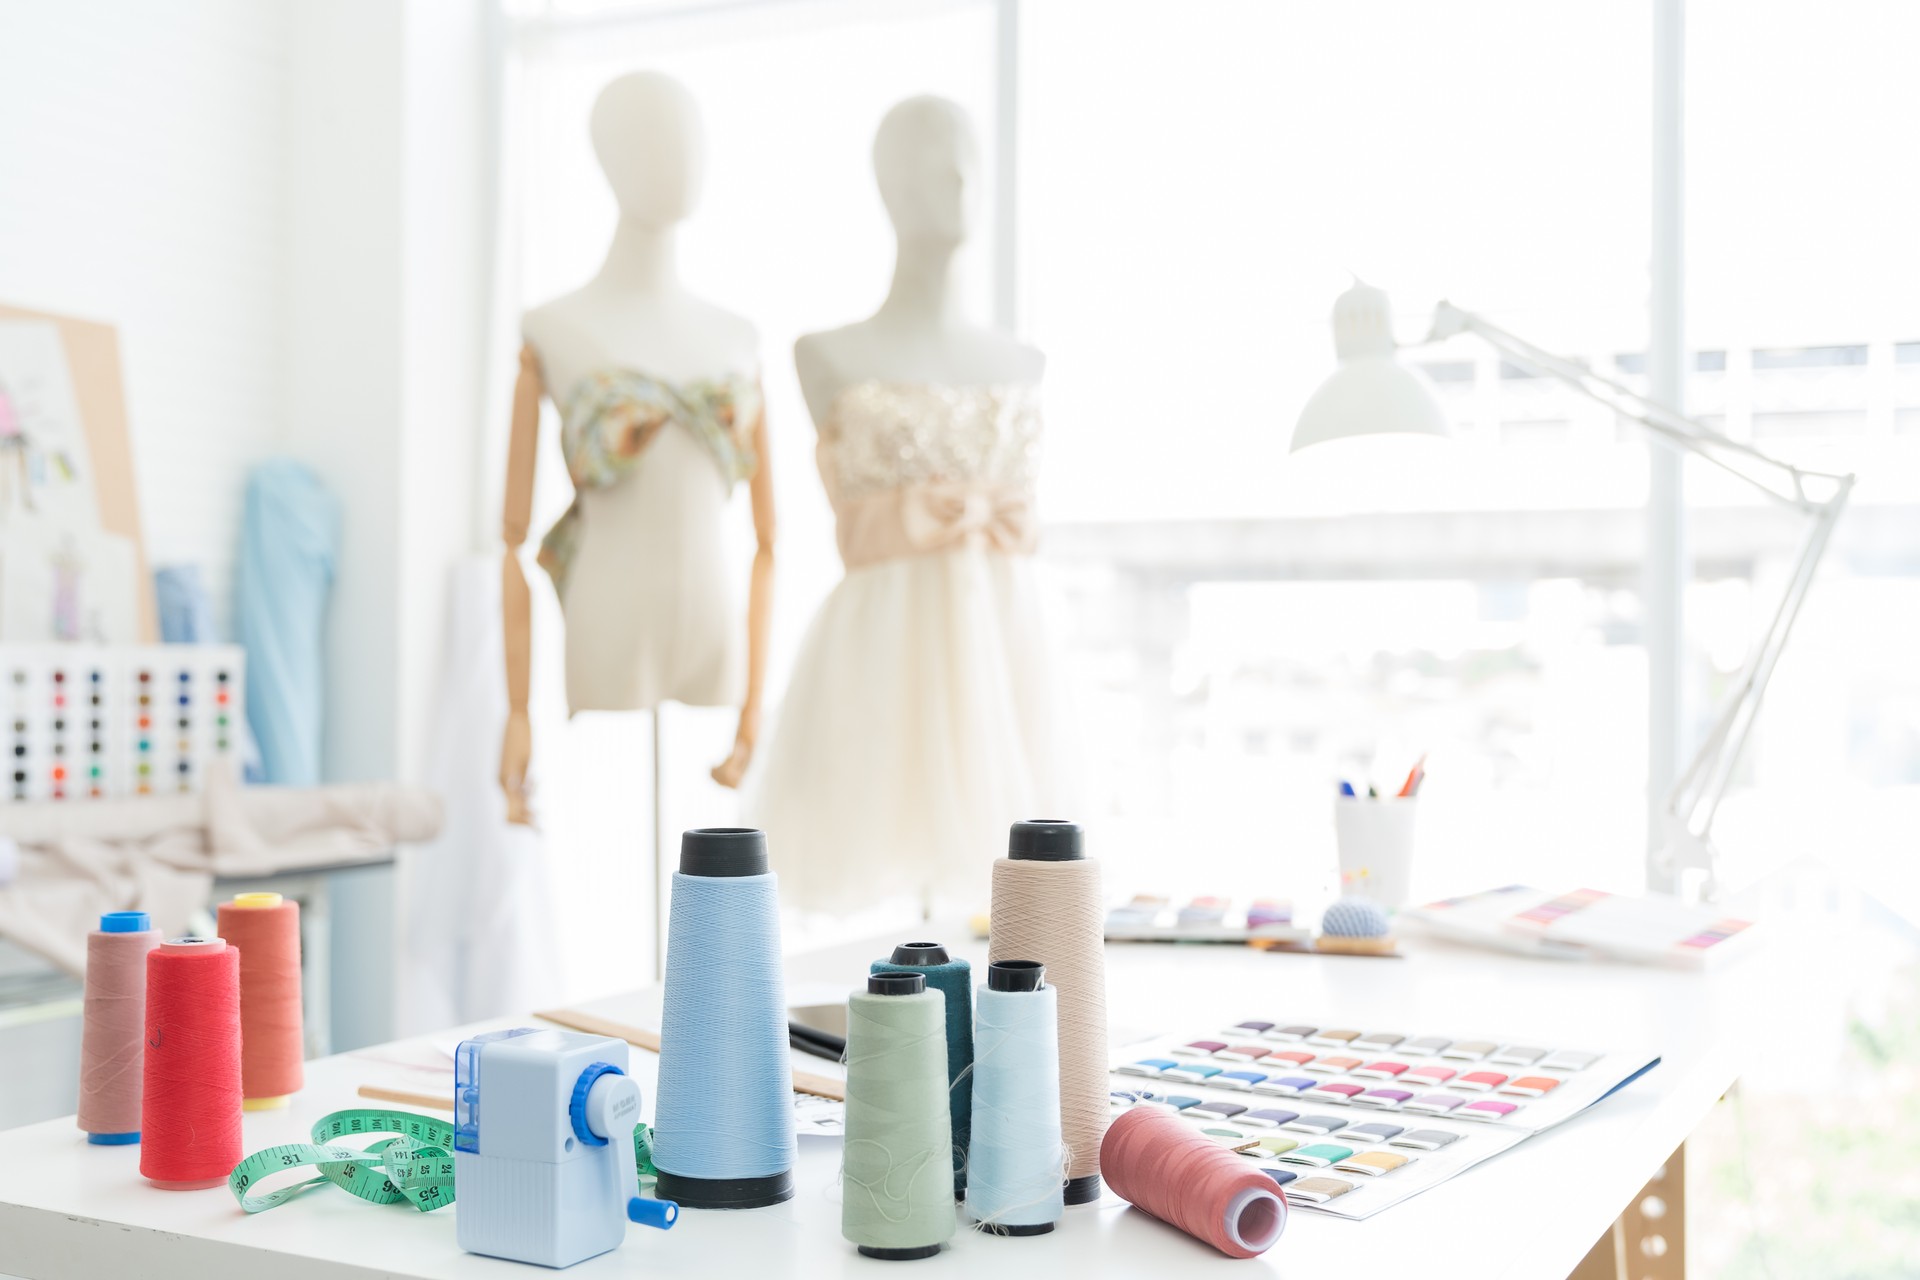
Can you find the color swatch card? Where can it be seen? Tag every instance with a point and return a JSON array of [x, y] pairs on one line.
[[1370, 1116], [1587, 924]]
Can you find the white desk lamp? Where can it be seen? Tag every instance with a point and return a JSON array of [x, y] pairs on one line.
[[1371, 393]]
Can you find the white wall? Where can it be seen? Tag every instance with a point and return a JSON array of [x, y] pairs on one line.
[[138, 148], [282, 204]]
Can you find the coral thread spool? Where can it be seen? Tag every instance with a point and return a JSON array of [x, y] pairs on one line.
[[114, 1026], [1164, 1167], [190, 1100], [266, 930]]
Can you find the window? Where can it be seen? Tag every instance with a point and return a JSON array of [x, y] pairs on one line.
[[1253, 625]]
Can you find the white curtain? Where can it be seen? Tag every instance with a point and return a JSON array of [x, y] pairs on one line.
[[479, 935]]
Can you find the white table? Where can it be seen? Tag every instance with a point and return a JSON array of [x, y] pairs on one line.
[[71, 1210]]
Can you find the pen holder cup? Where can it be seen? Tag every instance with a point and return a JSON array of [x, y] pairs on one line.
[[1375, 839]]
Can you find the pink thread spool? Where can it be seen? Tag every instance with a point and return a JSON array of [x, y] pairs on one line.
[[1163, 1166], [113, 1027]]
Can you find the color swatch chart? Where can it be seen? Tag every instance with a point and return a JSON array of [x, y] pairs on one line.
[[91, 722], [1351, 1121]]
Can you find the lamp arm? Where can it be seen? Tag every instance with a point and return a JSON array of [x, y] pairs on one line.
[[1695, 798], [1781, 481]]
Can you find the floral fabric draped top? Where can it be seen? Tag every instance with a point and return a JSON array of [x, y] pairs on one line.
[[612, 415]]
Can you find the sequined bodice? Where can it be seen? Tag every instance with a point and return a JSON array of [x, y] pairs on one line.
[[883, 435], [914, 468]]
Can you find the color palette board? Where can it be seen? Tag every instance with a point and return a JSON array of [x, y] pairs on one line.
[[99, 722], [1152, 918], [1352, 1119]]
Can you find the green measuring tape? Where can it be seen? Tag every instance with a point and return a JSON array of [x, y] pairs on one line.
[[414, 1164]]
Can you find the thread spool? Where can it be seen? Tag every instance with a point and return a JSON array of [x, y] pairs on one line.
[[1017, 1158], [897, 1188], [1047, 906], [113, 1027], [953, 979], [1163, 1166], [265, 929], [190, 1100], [723, 1129]]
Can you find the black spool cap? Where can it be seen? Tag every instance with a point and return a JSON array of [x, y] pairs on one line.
[[919, 953], [1029, 1229], [896, 984], [1082, 1190], [723, 852], [724, 1193], [1046, 840], [1016, 975], [898, 1255]]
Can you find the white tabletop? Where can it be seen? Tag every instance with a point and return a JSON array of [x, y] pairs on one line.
[[68, 1209]]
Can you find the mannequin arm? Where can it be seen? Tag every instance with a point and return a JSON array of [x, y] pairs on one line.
[[759, 614], [516, 602]]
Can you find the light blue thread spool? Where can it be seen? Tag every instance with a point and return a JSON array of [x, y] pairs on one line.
[[723, 1133], [1017, 1162]]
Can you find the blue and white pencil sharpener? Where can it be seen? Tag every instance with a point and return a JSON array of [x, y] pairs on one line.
[[545, 1168]]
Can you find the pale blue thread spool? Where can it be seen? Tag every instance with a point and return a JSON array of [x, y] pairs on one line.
[[1017, 1168], [723, 1132], [954, 980]]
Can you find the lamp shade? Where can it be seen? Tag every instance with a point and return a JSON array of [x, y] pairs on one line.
[[1371, 393]]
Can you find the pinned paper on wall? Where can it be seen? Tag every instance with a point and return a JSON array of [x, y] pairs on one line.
[[62, 577], [44, 454], [65, 583], [71, 562]]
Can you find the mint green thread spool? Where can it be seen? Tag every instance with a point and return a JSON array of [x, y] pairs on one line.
[[897, 1166]]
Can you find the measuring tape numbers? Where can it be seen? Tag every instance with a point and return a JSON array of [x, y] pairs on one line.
[[414, 1163]]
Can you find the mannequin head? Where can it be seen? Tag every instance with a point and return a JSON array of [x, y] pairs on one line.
[[928, 165], [647, 135]]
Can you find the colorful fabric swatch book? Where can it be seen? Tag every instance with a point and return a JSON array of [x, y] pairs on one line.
[[1587, 924], [1352, 1121]]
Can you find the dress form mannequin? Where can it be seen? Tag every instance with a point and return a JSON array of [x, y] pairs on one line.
[[926, 697], [928, 165], [648, 617]]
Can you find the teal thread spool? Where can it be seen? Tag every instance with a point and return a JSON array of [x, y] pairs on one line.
[[1018, 1158], [897, 1185], [954, 980]]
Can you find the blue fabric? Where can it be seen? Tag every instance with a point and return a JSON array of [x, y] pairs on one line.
[[186, 615], [289, 542]]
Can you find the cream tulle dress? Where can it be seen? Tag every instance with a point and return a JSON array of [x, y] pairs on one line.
[[926, 711]]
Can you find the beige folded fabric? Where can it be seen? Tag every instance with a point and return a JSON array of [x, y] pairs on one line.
[[161, 854]]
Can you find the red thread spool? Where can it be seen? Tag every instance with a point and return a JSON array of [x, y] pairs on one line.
[[266, 930], [190, 1105], [1189, 1181]]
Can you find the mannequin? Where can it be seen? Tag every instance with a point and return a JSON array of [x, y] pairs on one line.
[[648, 617], [925, 698], [927, 163]]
